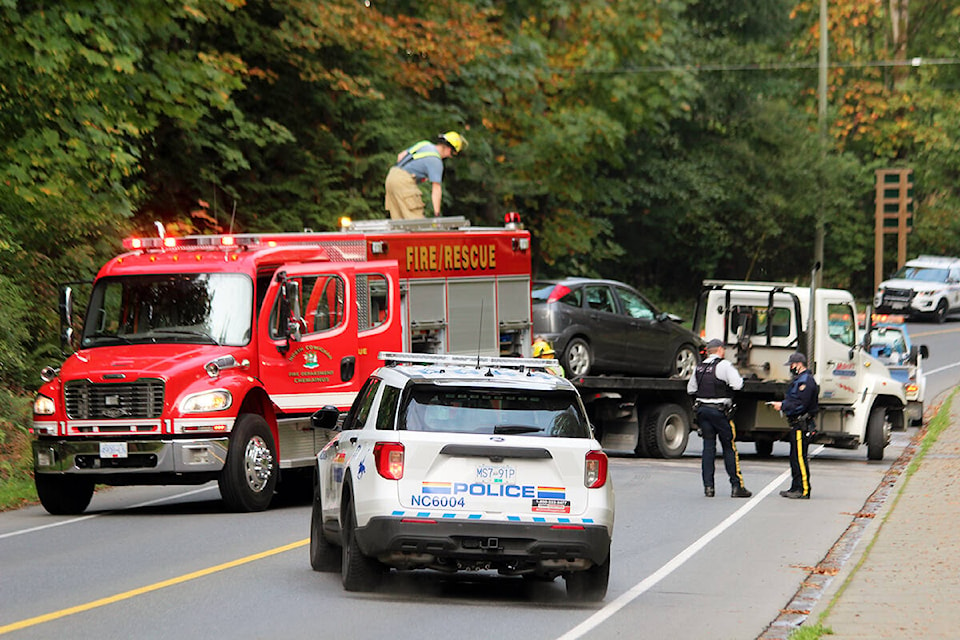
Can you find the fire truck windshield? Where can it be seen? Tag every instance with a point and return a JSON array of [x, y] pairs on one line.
[[199, 308]]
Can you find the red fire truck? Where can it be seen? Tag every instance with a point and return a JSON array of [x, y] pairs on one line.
[[203, 357]]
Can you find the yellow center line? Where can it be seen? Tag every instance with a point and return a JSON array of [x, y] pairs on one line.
[[126, 595]]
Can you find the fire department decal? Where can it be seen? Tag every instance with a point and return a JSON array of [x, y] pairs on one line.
[[308, 357]]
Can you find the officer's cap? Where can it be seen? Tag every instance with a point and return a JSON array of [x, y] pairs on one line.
[[714, 344], [797, 357]]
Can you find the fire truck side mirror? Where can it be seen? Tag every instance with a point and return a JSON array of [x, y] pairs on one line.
[[290, 309], [66, 317]]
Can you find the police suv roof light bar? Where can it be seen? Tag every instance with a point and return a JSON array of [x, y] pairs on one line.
[[391, 357]]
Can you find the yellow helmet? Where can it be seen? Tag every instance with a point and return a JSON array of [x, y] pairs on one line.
[[542, 349], [457, 142]]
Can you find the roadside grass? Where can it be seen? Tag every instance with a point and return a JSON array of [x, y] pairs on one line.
[[935, 427], [16, 459]]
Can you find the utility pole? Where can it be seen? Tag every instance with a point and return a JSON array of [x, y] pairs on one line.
[[822, 126]]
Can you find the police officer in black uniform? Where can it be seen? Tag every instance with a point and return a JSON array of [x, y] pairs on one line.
[[800, 407], [712, 385]]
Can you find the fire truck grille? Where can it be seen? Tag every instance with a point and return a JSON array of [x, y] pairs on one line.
[[114, 401]]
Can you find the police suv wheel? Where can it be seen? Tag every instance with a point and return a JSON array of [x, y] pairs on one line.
[[359, 572], [249, 476], [324, 556], [589, 585], [940, 313]]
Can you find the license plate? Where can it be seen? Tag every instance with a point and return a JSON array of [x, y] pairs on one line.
[[492, 473], [113, 449]]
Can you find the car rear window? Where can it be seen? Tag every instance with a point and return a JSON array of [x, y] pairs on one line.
[[446, 409], [549, 292]]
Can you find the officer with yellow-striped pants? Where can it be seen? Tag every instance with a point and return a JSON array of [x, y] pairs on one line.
[[800, 407], [712, 386]]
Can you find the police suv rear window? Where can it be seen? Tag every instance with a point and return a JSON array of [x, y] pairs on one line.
[[524, 412]]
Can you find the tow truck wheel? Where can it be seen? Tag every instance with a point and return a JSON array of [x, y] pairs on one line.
[[577, 358], [589, 585], [63, 495], [876, 433], [249, 476], [323, 555], [665, 431], [764, 447], [359, 572]]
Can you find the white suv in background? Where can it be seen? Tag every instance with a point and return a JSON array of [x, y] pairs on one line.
[[927, 285], [463, 463]]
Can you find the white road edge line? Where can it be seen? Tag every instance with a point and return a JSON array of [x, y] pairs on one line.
[[97, 515], [647, 583], [939, 369]]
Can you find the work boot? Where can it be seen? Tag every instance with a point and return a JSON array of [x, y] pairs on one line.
[[709, 492], [795, 495], [740, 492]]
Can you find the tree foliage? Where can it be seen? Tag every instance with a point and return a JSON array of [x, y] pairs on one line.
[[657, 141]]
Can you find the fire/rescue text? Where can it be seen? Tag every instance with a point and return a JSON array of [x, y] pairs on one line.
[[456, 257]]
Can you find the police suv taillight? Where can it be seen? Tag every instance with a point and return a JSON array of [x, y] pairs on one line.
[[389, 459], [595, 470]]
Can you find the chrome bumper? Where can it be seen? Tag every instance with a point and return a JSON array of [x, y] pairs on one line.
[[143, 456]]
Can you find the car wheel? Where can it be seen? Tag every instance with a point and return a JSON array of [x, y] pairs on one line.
[[940, 313], [359, 572], [577, 358], [324, 556], [63, 495], [589, 585], [249, 476], [685, 362], [666, 431], [877, 432]]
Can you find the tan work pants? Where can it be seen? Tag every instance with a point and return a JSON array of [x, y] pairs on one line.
[[403, 199]]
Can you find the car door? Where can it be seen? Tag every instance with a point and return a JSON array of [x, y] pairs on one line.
[[337, 455], [841, 378], [646, 344], [608, 327], [308, 337]]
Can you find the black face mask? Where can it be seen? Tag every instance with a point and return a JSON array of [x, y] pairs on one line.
[[795, 371]]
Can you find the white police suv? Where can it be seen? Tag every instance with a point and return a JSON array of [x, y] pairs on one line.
[[463, 463], [925, 286]]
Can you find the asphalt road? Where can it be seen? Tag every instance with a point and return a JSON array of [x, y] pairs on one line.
[[161, 562]]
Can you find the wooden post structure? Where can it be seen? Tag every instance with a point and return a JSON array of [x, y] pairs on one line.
[[894, 202]]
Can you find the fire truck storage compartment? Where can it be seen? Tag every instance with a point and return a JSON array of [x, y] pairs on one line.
[[473, 326]]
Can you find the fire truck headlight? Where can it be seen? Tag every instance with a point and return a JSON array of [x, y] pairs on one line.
[[216, 400], [44, 406]]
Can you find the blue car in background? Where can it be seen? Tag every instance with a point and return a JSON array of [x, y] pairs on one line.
[[889, 342]]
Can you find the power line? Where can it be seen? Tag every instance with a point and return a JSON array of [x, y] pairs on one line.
[[775, 66]]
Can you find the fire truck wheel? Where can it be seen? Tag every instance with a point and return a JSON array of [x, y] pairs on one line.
[[324, 556], [63, 495], [359, 572], [577, 358], [249, 476]]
